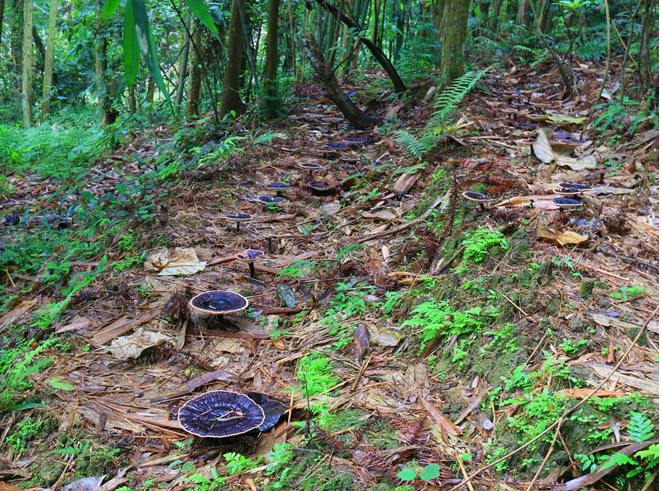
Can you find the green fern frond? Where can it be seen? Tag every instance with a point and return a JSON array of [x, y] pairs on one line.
[[439, 124], [640, 428]]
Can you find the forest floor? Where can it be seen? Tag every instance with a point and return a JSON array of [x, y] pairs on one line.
[[403, 327]]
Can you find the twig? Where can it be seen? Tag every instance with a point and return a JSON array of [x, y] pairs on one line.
[[535, 350], [563, 416], [404, 226], [513, 304], [464, 473]]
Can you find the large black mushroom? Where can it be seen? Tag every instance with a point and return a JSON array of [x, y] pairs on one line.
[[272, 407], [218, 302], [220, 414]]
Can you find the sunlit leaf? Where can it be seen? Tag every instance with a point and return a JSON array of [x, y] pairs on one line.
[[146, 44], [407, 474], [109, 8], [57, 384], [200, 10], [130, 43]]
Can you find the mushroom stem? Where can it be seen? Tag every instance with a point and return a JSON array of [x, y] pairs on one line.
[[237, 226], [279, 194], [269, 245], [482, 207], [251, 268]]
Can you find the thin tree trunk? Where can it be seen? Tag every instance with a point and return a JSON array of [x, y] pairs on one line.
[[454, 28], [388, 67], [495, 8], [101, 66], [195, 80], [133, 107], [27, 63], [271, 102], [151, 88], [183, 66], [48, 61], [231, 99], [324, 72], [375, 30], [2, 18]]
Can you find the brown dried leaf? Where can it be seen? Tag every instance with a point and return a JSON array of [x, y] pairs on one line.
[[436, 415]]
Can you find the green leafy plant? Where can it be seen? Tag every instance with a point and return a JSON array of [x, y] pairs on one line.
[[237, 463], [207, 483], [438, 126], [628, 293], [435, 316], [478, 245], [26, 430], [296, 270], [315, 374], [427, 473]]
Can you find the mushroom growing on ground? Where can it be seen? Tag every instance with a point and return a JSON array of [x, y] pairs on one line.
[[476, 198], [218, 302], [566, 203], [272, 407], [319, 186], [310, 167], [249, 256], [279, 187], [271, 200], [567, 189], [239, 217], [220, 414]]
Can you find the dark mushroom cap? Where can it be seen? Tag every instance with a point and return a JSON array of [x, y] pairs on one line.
[[268, 200], [219, 414], [249, 255], [272, 407], [576, 187], [239, 217], [310, 166], [219, 302], [12, 219], [337, 145], [566, 202], [353, 139], [278, 185], [476, 197], [318, 185]]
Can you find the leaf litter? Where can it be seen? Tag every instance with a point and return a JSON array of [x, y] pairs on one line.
[[438, 412]]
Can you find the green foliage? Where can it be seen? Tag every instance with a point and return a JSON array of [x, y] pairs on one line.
[[478, 245], [640, 428], [16, 366], [206, 483], [435, 316], [315, 374], [296, 270], [627, 293], [438, 125], [428, 473], [237, 463], [26, 430]]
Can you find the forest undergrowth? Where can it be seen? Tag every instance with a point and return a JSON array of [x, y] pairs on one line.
[[418, 339]]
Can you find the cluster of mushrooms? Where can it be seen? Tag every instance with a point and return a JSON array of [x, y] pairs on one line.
[[564, 190], [221, 413]]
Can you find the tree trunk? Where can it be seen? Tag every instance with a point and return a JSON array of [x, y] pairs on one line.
[[647, 32], [183, 65], [27, 63], [2, 17], [151, 88], [495, 9], [324, 72], [388, 67], [133, 107], [399, 34], [454, 29], [271, 101], [101, 66], [48, 61], [375, 30], [231, 99], [195, 80]]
